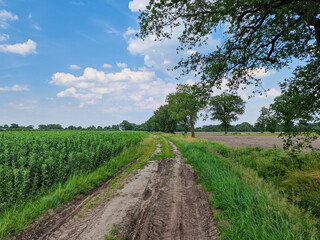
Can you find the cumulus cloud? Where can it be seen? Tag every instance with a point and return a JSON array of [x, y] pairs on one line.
[[149, 103], [14, 88], [162, 54], [94, 85], [4, 37], [106, 65], [5, 17], [130, 31], [261, 72], [23, 49], [122, 65], [74, 67], [138, 5]]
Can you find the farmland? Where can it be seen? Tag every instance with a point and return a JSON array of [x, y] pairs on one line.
[[32, 162], [121, 183]]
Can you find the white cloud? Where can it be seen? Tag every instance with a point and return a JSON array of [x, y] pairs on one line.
[[261, 72], [94, 86], [5, 17], [190, 82], [24, 49], [74, 67], [270, 93], [149, 103], [122, 65], [106, 65], [163, 54], [14, 88], [30, 15], [36, 27], [137, 5], [4, 37], [191, 52], [130, 31]]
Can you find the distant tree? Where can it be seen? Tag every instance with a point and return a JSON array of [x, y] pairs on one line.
[[267, 120], [30, 127], [115, 127], [6, 126], [71, 127], [185, 105], [14, 126], [243, 127], [125, 125], [225, 108]]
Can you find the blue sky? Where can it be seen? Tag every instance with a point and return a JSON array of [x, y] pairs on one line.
[[79, 63]]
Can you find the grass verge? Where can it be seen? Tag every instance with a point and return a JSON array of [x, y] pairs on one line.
[[20, 216], [250, 207]]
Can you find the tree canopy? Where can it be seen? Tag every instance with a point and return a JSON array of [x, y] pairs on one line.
[[185, 105], [264, 34], [225, 108]]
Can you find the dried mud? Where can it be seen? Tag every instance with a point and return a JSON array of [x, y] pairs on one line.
[[160, 201]]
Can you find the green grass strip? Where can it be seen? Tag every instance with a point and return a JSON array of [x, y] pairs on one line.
[[20, 216], [251, 207]]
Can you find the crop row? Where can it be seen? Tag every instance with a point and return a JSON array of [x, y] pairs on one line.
[[32, 162]]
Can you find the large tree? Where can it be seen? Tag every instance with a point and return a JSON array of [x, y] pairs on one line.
[[185, 105], [165, 120], [259, 34], [225, 108]]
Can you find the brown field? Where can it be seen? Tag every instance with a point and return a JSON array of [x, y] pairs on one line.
[[251, 141]]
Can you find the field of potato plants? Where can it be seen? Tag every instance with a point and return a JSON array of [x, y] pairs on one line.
[[33, 162]]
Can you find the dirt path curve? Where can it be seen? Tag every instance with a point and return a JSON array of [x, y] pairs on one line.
[[160, 201]]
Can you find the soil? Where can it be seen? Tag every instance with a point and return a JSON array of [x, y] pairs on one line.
[[247, 141], [159, 201], [251, 141]]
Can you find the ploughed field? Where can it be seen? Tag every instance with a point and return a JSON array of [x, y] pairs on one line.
[[249, 141]]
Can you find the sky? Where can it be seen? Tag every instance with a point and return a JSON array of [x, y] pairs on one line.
[[78, 62]]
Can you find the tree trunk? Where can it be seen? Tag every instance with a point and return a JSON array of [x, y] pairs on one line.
[[192, 127], [225, 130]]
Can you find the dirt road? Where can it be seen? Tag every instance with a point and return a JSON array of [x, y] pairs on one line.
[[159, 201]]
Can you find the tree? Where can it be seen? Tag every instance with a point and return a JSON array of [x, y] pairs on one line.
[[267, 120], [125, 125], [259, 34], [225, 108], [14, 125], [165, 120], [185, 105]]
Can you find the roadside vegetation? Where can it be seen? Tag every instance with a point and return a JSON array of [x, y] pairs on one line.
[[257, 193], [123, 149]]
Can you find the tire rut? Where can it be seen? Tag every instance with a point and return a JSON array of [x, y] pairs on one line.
[[176, 207]]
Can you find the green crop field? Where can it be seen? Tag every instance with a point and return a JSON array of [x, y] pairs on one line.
[[33, 162]]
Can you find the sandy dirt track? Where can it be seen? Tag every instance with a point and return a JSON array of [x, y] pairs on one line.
[[160, 201]]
